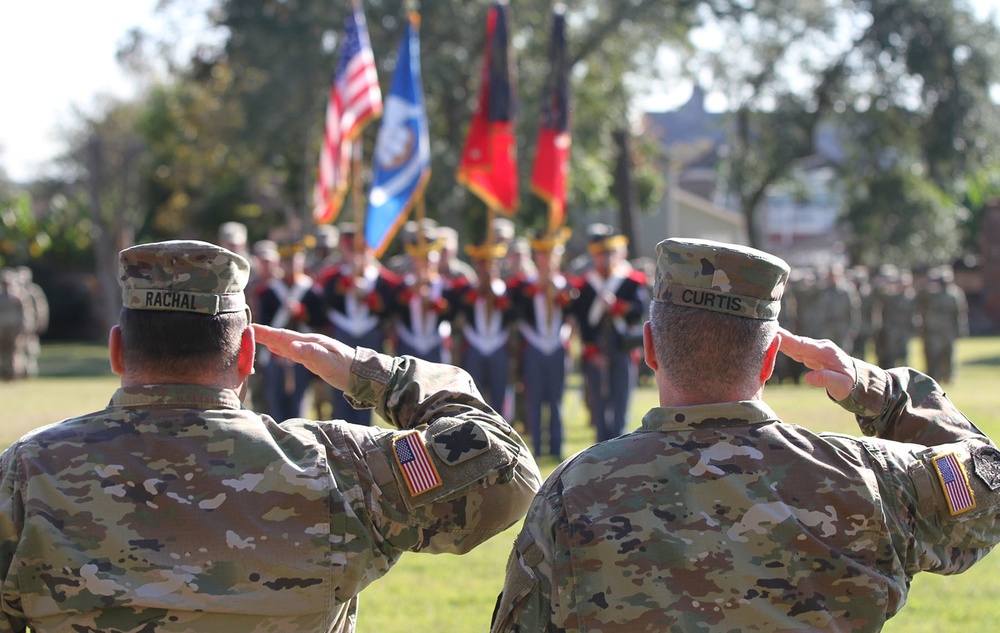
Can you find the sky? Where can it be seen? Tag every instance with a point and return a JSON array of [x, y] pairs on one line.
[[59, 54]]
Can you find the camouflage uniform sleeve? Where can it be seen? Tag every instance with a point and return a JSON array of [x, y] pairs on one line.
[[527, 603], [454, 473], [11, 514], [938, 474]]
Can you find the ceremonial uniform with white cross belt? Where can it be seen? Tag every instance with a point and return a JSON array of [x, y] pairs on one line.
[[484, 313], [295, 302], [541, 298], [421, 308], [610, 304], [357, 300]]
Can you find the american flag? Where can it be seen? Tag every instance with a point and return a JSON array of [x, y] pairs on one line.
[[355, 99], [955, 482], [418, 470]]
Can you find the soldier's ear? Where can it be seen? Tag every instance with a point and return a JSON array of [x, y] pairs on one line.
[[770, 358], [115, 350], [647, 346], [244, 361]]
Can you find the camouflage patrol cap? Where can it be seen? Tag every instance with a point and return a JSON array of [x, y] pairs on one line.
[[183, 276], [720, 277], [233, 233]]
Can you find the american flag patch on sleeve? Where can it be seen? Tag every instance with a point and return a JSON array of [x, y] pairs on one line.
[[955, 482], [416, 465]]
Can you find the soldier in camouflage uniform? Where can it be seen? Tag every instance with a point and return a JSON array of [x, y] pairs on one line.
[[12, 325], [841, 307], [717, 516], [944, 318], [175, 509], [36, 320], [866, 302], [895, 317]]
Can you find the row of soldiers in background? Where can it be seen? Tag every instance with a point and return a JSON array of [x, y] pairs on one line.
[[506, 318], [885, 310], [24, 317]]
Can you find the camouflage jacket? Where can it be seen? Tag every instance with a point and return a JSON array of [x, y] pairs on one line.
[[175, 509], [724, 518]]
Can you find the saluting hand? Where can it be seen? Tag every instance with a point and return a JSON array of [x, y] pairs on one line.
[[326, 357], [831, 367]]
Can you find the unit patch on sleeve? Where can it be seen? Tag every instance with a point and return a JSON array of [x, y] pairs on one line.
[[986, 463], [461, 442], [955, 483], [415, 463]]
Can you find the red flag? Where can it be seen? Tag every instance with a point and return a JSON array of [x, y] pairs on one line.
[[355, 99], [489, 162], [551, 168]]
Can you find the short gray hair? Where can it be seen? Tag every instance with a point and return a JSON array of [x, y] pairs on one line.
[[709, 353]]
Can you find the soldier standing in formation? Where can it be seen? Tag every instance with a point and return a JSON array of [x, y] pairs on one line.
[[357, 292], [483, 314], [421, 308], [866, 302], [716, 515], [326, 250], [36, 320], [202, 515], [541, 298], [612, 298], [894, 316], [12, 325], [451, 267], [944, 317], [841, 307], [292, 301]]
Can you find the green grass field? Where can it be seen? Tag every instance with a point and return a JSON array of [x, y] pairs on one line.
[[456, 594]]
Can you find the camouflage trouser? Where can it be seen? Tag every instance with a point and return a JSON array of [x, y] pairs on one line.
[[11, 356], [30, 351], [940, 357]]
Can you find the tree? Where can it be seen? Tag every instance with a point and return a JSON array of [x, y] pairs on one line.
[[106, 161], [280, 56], [906, 85]]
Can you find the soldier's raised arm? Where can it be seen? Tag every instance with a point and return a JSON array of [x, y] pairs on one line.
[[451, 475]]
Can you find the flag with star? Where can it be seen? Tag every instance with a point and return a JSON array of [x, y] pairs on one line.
[[488, 167], [355, 99], [415, 463]]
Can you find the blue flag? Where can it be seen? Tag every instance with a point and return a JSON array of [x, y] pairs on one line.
[[402, 161]]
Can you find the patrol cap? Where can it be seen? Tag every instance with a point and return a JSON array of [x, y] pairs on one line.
[[183, 276], [233, 233], [720, 277]]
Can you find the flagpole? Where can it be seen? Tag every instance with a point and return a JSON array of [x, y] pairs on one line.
[[488, 295], [357, 202], [423, 274]]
